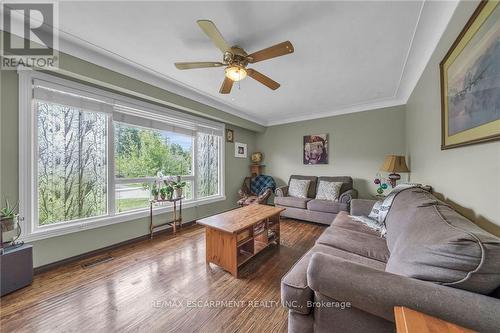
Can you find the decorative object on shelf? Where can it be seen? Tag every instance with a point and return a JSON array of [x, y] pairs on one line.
[[229, 135], [394, 164], [257, 157], [382, 184], [256, 168], [315, 149], [470, 81], [240, 150], [9, 221]]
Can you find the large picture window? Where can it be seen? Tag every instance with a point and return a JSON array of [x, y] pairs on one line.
[[93, 156]]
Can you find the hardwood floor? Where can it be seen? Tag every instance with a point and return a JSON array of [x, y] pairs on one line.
[[161, 285]]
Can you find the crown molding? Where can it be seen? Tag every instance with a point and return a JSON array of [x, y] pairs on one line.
[[385, 103], [433, 20]]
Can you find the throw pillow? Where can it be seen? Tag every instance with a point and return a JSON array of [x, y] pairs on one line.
[[375, 210], [298, 188], [372, 224], [328, 190]]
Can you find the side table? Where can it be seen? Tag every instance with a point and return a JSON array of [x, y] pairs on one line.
[[16, 268], [412, 321], [177, 215]]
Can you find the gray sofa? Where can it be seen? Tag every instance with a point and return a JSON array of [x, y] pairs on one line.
[[311, 209], [432, 260]]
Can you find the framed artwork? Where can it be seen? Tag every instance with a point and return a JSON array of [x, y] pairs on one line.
[[240, 150], [229, 135], [315, 149], [470, 81]]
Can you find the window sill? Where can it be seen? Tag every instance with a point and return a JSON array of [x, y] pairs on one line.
[[54, 231]]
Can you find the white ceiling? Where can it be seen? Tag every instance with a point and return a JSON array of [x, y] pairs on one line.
[[349, 56]]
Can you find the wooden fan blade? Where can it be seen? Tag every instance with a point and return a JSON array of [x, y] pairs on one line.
[[268, 82], [226, 86], [191, 65], [271, 52], [213, 33]]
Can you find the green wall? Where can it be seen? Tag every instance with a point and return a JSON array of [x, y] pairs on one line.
[[57, 248], [467, 177], [358, 144]]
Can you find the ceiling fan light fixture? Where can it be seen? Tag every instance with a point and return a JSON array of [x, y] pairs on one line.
[[235, 73]]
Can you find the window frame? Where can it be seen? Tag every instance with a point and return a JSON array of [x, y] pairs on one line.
[[28, 160]]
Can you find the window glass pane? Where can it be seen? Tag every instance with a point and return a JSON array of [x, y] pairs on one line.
[[208, 165], [142, 152], [188, 191], [132, 196], [71, 163]]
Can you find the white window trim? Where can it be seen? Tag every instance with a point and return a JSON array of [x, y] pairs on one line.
[[27, 154]]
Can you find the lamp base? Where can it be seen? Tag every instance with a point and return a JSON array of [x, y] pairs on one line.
[[393, 178]]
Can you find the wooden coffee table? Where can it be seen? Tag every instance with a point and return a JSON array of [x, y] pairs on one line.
[[234, 237]]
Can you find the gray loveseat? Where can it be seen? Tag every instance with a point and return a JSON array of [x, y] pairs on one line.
[[311, 209], [432, 260]]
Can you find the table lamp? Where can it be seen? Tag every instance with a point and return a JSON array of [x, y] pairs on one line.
[[394, 164]]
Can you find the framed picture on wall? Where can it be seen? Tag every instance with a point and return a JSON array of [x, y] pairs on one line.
[[470, 81], [229, 135], [315, 149], [240, 150]]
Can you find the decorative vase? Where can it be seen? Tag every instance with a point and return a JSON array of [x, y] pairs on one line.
[[178, 192], [163, 196], [8, 224]]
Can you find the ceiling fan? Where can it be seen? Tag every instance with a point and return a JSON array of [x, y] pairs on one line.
[[235, 59]]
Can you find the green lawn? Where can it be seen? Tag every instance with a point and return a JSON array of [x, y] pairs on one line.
[[123, 205]]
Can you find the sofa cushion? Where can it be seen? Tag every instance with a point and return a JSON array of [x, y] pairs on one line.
[[355, 239], [298, 188], [291, 202], [311, 193], [328, 190], [345, 180], [295, 292], [326, 206], [432, 242]]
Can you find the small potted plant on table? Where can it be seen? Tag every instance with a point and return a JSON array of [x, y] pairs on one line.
[[178, 187]]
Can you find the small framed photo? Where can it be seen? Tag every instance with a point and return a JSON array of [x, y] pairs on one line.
[[240, 150], [229, 135]]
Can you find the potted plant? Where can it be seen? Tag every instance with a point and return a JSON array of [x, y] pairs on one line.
[[166, 192], [163, 193], [8, 218], [178, 186], [154, 191]]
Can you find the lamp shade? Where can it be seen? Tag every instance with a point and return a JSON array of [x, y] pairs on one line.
[[394, 163]]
